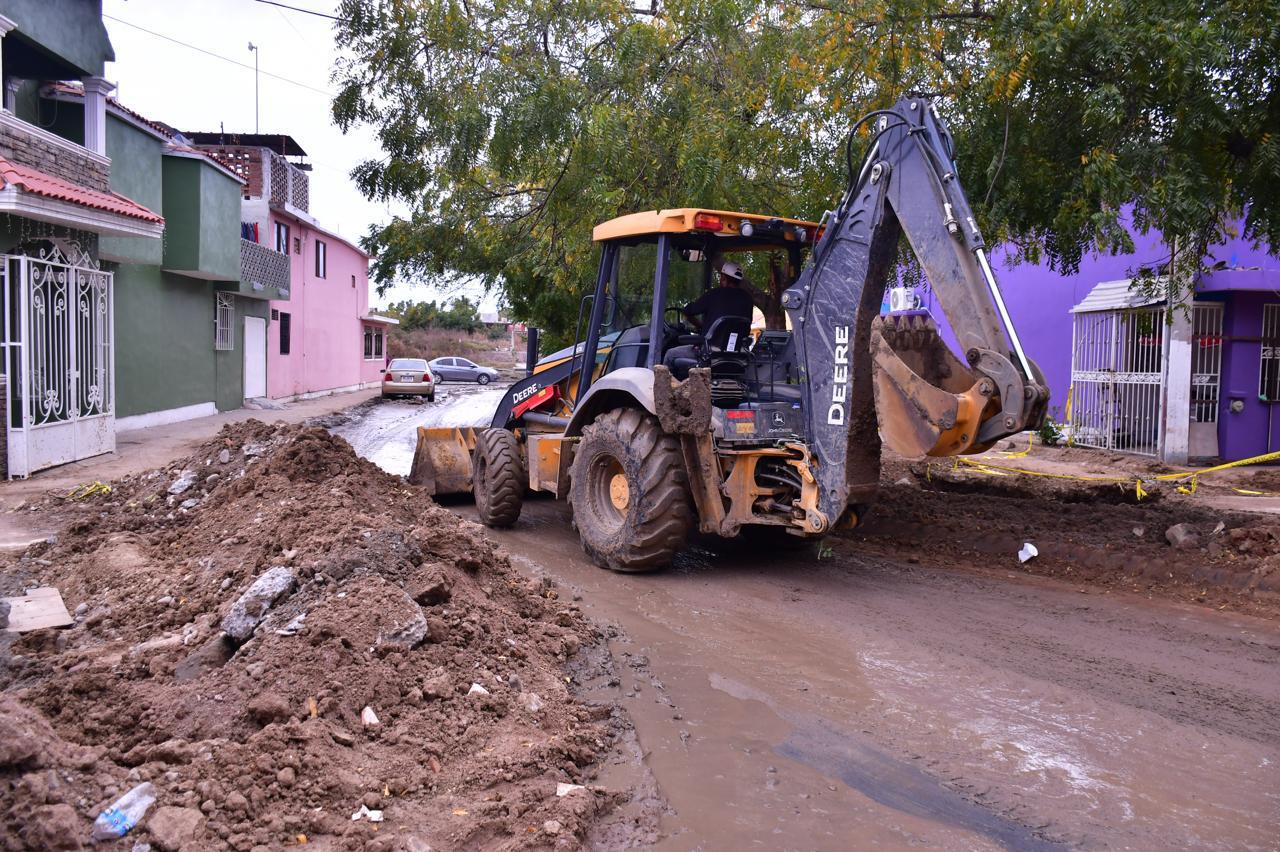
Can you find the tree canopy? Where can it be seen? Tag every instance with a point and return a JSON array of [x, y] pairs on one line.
[[461, 314], [511, 127]]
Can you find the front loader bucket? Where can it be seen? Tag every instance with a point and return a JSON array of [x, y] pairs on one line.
[[927, 401], [442, 460]]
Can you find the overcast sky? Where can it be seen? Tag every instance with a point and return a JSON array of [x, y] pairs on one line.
[[190, 90]]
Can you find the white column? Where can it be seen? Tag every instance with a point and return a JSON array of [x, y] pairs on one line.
[[96, 90], [1177, 387], [5, 26]]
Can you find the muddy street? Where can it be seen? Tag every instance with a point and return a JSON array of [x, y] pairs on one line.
[[854, 696]]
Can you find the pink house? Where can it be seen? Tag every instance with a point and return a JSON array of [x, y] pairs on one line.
[[321, 337]]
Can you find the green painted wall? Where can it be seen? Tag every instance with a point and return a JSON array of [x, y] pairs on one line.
[[135, 173], [202, 220], [164, 340], [72, 30], [230, 364]]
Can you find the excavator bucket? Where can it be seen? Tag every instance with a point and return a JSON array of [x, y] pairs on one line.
[[928, 401], [442, 460]]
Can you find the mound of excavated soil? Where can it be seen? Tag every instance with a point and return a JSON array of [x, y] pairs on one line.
[[1095, 534], [261, 743]]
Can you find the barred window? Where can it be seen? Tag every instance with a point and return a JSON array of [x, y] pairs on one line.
[[282, 238], [286, 321], [225, 323], [322, 265], [1269, 381], [373, 343]]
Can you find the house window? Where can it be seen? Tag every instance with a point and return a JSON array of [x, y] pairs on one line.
[[373, 342], [224, 338], [286, 323], [282, 238], [1269, 378], [320, 259]]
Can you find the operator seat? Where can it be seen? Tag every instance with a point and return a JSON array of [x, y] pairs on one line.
[[722, 347]]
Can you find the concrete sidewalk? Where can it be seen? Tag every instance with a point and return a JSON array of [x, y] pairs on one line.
[[142, 449]]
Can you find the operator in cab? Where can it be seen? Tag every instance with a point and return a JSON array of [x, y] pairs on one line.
[[730, 299]]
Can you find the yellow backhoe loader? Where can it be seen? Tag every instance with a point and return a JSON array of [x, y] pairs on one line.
[[651, 428]]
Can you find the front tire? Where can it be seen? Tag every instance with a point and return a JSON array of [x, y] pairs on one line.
[[498, 477], [483, 379], [629, 492]]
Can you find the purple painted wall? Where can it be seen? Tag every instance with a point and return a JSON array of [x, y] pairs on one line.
[[1245, 434], [1040, 302]]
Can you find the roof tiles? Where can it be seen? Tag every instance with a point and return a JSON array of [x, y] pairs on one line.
[[47, 186]]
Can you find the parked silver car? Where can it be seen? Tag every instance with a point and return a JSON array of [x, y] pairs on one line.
[[409, 377], [453, 369]]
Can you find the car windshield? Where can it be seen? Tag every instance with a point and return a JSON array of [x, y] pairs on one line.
[[408, 364]]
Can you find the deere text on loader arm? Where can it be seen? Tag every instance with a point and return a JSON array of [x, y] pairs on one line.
[[651, 429]]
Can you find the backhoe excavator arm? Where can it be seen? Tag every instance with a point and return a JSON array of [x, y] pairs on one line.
[[868, 378]]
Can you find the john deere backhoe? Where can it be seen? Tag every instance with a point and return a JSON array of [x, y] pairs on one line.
[[779, 434]]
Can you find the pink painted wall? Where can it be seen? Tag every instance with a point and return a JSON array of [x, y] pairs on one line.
[[326, 335]]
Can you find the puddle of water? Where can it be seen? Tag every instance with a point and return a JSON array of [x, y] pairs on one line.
[[900, 785]]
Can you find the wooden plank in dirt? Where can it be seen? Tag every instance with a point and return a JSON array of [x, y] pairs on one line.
[[40, 607]]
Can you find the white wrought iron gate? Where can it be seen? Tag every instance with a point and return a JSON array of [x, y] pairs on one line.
[[1117, 371], [1206, 379], [60, 333]]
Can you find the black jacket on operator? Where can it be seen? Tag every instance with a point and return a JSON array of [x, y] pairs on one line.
[[720, 302]]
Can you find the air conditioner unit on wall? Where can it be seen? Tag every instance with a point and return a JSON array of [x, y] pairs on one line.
[[903, 299]]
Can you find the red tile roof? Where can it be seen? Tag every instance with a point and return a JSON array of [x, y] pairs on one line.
[[48, 186]]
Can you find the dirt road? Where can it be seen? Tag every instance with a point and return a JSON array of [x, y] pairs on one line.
[[787, 701]]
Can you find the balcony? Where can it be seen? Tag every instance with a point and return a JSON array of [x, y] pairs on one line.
[[264, 274], [25, 143]]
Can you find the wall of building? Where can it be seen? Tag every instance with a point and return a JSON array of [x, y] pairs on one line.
[[71, 30], [1256, 429], [327, 347], [164, 340], [136, 174]]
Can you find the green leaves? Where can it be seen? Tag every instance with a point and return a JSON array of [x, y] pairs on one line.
[[511, 127]]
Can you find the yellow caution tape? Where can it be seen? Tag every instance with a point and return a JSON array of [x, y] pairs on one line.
[[1192, 477], [1031, 442], [93, 489]]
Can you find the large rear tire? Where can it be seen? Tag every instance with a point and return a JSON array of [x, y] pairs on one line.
[[629, 492], [498, 477]]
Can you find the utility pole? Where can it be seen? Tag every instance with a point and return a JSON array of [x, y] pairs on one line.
[[254, 50]]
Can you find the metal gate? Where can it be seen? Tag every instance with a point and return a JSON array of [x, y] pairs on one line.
[[1206, 378], [59, 335], [1117, 373]]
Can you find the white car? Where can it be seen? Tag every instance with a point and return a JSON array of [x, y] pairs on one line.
[[409, 377]]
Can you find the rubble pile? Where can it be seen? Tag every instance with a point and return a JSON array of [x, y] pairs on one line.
[[292, 647], [1167, 544]]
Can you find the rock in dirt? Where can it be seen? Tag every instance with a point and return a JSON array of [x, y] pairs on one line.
[[183, 483], [1182, 536], [244, 615], [269, 707], [173, 828], [5, 606], [53, 827]]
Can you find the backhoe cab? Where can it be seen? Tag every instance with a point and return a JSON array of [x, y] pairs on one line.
[[651, 428]]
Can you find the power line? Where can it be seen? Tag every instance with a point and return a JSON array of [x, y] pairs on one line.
[[300, 9], [324, 92]]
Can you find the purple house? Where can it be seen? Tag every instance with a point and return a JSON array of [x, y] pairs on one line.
[[1198, 384]]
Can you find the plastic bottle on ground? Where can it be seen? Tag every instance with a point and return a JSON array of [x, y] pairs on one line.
[[124, 813]]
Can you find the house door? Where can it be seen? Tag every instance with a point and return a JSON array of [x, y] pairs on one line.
[[1117, 379], [60, 366], [1206, 376], [255, 357]]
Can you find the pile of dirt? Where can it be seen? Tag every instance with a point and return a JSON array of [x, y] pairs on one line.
[[1095, 534], [242, 619]]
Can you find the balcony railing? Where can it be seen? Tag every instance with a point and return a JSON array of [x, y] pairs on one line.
[[263, 273]]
